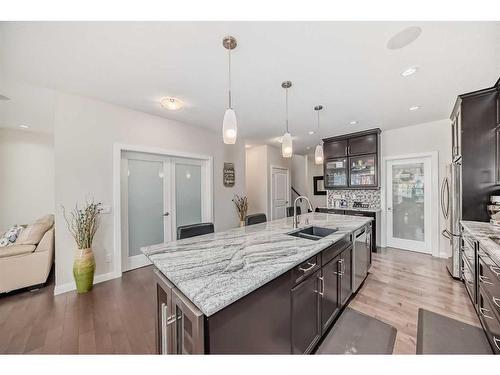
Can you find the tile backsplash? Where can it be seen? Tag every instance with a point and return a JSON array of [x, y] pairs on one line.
[[372, 197]]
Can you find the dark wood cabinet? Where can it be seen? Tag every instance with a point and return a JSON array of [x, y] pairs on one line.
[[306, 327], [345, 276], [365, 144], [335, 149], [330, 305], [360, 152]]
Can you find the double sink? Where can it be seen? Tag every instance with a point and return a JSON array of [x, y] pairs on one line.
[[312, 233]]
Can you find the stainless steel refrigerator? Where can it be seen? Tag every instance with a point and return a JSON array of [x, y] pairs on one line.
[[451, 209]]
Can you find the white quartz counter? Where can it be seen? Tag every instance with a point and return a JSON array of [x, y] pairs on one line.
[[484, 232], [215, 270]]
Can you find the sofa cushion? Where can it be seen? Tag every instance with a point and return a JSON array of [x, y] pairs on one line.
[[10, 236], [33, 233], [46, 219], [12, 250]]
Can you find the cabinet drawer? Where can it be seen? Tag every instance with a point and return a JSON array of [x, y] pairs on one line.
[[468, 251], [307, 268], [468, 276], [489, 280], [332, 251], [489, 320]]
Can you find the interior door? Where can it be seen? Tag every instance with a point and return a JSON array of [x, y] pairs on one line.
[[145, 208], [280, 189], [409, 199]]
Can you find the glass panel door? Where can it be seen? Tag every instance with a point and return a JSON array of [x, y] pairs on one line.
[[188, 202], [362, 171], [408, 204], [336, 173], [145, 208]]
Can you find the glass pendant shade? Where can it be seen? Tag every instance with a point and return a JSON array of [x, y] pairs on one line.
[[229, 127], [286, 146], [318, 154]]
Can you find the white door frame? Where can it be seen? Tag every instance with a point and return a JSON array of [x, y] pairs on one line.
[[434, 206], [117, 224], [271, 190]]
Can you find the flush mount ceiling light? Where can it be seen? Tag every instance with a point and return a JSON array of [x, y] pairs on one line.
[[404, 37], [311, 132], [286, 144], [414, 108], [408, 72], [353, 123], [24, 126], [318, 153], [229, 126], [171, 103]]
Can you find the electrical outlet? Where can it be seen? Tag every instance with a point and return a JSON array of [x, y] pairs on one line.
[[108, 258]]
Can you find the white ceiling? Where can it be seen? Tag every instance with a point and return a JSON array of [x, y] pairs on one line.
[[345, 66]]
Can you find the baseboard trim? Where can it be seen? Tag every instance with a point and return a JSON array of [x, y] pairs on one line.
[[68, 287]]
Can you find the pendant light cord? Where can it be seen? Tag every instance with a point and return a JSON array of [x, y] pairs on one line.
[[286, 108], [229, 58]]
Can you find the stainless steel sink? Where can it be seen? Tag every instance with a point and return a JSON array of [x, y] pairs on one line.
[[312, 233]]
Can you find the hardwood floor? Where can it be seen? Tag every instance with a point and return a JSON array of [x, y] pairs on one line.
[[400, 282], [118, 315]]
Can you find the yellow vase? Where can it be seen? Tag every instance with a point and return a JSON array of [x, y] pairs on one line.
[[83, 270]]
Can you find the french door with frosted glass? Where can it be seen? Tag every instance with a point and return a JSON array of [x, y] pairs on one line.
[[409, 195], [158, 194]]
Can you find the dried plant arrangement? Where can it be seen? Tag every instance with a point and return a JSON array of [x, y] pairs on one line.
[[83, 222], [241, 203]]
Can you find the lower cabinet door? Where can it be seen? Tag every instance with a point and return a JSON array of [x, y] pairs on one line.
[[164, 318], [188, 328], [345, 266], [306, 330], [329, 299]]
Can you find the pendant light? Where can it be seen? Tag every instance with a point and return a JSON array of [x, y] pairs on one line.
[[286, 143], [318, 153], [229, 126]]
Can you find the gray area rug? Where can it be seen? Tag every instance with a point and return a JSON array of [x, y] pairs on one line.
[[357, 333], [438, 334]]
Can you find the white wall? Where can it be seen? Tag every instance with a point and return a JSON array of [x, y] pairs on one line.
[[85, 131], [27, 176], [256, 179], [427, 137]]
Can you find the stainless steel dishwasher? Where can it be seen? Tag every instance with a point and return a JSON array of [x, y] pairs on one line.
[[362, 256]]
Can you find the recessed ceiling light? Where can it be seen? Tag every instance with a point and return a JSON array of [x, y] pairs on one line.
[[24, 126], [353, 123], [311, 132], [409, 71], [404, 37], [171, 103], [414, 108], [308, 148]]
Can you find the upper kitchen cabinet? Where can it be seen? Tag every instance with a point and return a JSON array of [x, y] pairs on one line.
[[351, 161]]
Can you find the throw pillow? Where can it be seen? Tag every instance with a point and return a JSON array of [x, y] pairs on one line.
[[10, 236]]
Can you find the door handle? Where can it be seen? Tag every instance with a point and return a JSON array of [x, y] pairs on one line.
[[166, 214], [389, 208]]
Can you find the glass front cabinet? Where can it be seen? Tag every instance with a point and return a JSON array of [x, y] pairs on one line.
[[358, 167], [363, 171], [336, 173]]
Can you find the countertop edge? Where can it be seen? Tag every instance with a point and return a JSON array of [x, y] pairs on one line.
[[486, 242]]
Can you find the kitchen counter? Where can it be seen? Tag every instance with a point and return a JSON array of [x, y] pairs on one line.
[[217, 269], [482, 231]]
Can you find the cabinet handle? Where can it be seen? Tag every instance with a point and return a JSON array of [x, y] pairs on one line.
[[311, 266], [484, 279], [481, 310], [164, 331], [497, 342], [495, 270], [496, 301], [322, 281]]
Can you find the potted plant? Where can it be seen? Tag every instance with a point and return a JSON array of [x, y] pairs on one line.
[[82, 224], [241, 204]]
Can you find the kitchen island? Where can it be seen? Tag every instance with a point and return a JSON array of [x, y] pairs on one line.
[[255, 289]]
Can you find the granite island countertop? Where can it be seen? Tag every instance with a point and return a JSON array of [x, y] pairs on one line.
[[217, 269], [482, 231]]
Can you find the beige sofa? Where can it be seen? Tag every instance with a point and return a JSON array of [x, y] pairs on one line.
[[28, 263]]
